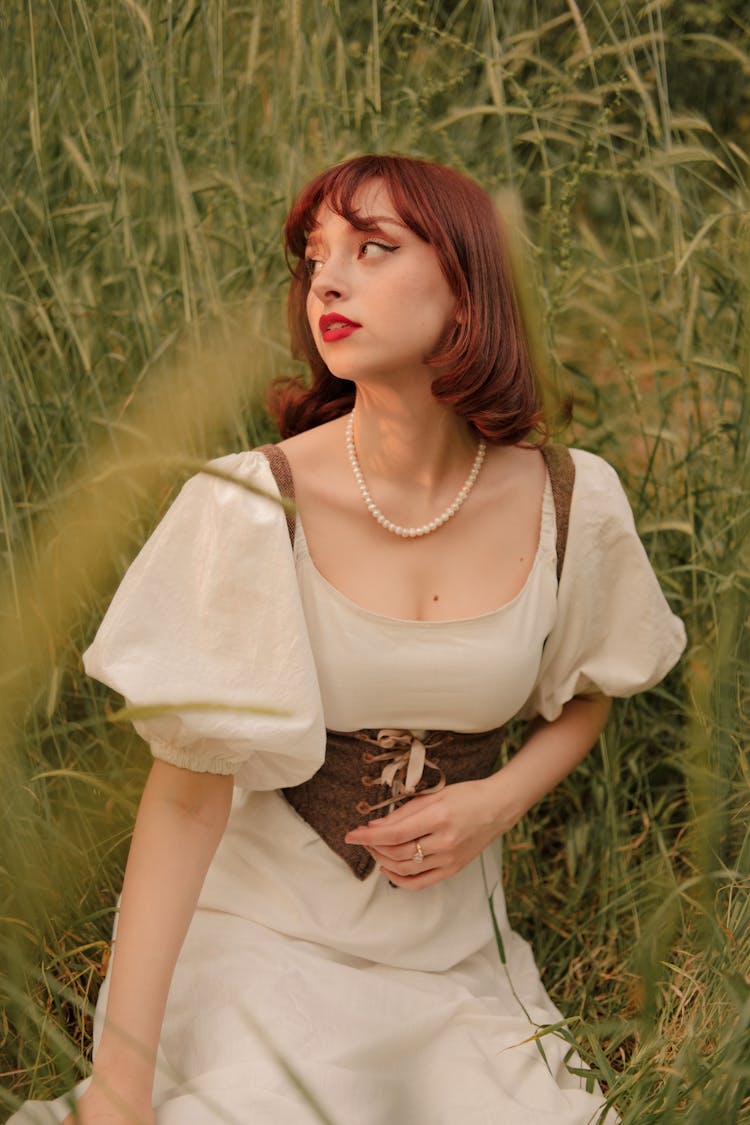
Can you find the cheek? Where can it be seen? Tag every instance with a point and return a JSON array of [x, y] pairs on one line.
[[433, 313], [428, 301], [312, 311]]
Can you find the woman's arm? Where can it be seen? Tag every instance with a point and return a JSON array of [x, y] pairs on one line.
[[456, 824], [180, 821], [549, 754]]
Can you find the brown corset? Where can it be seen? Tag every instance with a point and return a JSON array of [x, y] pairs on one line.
[[366, 773]]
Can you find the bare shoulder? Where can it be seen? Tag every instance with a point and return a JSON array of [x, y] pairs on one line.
[[317, 459], [519, 468], [308, 448]]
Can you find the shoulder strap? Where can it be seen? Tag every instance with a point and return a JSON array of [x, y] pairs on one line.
[[562, 473], [282, 474]]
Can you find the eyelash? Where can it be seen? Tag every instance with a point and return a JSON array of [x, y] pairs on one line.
[[311, 263]]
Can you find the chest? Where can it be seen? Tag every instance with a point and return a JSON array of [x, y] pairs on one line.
[[465, 673], [472, 565]]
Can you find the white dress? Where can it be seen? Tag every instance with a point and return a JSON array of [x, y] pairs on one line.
[[297, 981]]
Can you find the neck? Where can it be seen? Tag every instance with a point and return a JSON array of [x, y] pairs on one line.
[[410, 438]]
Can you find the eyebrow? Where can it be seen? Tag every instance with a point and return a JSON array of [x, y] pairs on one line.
[[376, 220], [369, 223]]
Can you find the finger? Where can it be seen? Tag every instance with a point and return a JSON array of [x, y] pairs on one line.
[[406, 870], [415, 857], [379, 833], [409, 808], [398, 827], [402, 853], [417, 882], [398, 859]]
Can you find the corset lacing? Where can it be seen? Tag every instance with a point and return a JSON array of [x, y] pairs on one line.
[[404, 762]]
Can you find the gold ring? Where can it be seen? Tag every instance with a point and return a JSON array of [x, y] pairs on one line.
[[418, 854]]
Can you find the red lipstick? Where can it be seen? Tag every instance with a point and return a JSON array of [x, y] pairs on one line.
[[334, 326]]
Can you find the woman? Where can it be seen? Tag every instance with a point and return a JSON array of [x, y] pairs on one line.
[[346, 925]]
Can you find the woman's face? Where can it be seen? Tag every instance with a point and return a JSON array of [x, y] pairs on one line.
[[379, 303]]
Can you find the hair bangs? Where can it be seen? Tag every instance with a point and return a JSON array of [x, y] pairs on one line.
[[338, 188]]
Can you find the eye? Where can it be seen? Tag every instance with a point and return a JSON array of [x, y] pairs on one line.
[[311, 266], [373, 249]]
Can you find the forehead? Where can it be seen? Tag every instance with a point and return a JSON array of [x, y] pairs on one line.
[[369, 205]]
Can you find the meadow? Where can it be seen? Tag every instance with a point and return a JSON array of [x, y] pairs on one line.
[[150, 150]]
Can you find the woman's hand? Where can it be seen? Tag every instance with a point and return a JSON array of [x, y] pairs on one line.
[[99, 1106], [452, 827]]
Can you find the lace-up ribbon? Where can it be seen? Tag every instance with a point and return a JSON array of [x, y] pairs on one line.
[[366, 773], [404, 762]]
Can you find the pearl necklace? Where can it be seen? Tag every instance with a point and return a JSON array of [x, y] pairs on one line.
[[374, 510]]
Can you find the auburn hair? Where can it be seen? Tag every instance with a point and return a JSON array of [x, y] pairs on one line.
[[485, 368]]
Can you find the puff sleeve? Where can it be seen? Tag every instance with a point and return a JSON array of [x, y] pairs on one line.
[[209, 613], [613, 631]]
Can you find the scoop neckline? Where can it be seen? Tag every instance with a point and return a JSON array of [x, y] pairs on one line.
[[543, 550]]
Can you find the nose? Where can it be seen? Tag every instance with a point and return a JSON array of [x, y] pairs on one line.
[[328, 282]]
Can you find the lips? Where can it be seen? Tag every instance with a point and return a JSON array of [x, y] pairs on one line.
[[334, 326]]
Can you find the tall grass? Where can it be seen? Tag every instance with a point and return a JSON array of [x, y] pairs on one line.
[[149, 153]]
